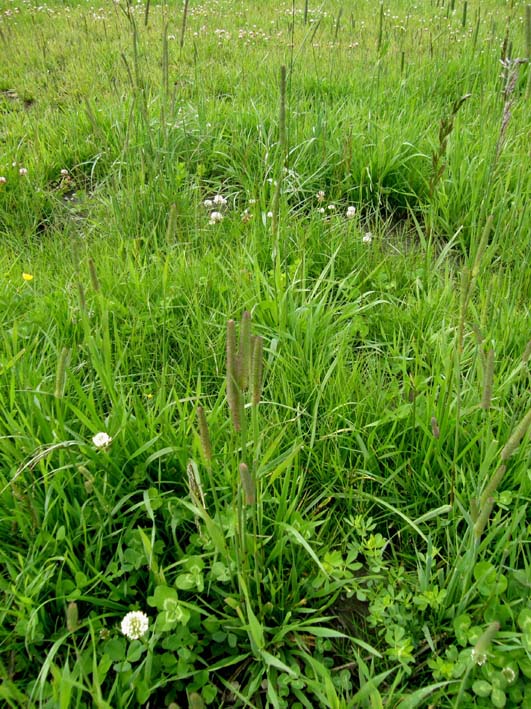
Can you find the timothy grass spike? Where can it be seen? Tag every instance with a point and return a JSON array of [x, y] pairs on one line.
[[492, 485], [233, 393], [488, 376], [204, 434], [483, 517], [257, 369], [479, 653], [93, 274], [515, 439], [60, 377], [243, 359]]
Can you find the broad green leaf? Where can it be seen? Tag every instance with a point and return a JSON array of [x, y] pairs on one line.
[[482, 688]]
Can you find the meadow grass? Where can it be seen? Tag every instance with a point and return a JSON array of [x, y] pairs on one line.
[[278, 253]]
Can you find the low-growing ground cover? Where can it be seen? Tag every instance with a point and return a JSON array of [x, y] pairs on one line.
[[264, 373]]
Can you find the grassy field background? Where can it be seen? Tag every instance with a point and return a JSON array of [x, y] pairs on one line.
[[279, 254]]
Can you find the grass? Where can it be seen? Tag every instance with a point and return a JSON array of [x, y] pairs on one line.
[[316, 485]]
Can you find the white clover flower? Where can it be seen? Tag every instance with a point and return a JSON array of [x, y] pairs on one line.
[[509, 674], [320, 196], [208, 203], [101, 439], [478, 657], [351, 212], [134, 625], [23, 171], [3, 180], [269, 215], [220, 201], [321, 210], [64, 172], [215, 217], [252, 201], [367, 238], [331, 207]]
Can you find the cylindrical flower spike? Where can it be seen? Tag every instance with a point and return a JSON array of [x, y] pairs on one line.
[[479, 653], [256, 369], [483, 517], [93, 275], [232, 384], [514, 441], [233, 393], [487, 381], [204, 434], [244, 351], [60, 376]]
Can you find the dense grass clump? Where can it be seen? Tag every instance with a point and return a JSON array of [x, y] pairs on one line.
[[266, 353]]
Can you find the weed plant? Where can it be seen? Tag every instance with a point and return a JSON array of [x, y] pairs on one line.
[[265, 354]]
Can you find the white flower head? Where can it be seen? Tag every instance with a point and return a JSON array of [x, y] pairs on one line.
[[331, 207], [351, 212], [3, 180], [134, 625], [23, 171], [215, 217], [64, 172], [321, 210], [101, 440], [220, 201], [269, 215], [367, 238], [478, 657], [509, 674], [320, 196], [208, 203]]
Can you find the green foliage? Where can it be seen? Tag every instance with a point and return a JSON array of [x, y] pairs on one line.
[[332, 509]]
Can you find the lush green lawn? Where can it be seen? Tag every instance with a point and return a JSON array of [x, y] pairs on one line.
[[297, 302]]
